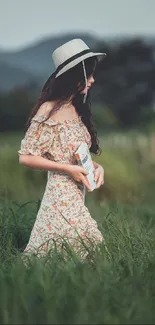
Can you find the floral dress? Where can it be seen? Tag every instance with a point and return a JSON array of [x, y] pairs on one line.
[[62, 216]]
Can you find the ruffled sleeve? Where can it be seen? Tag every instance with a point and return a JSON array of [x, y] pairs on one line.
[[38, 138]]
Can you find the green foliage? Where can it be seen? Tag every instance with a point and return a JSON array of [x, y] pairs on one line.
[[16, 180], [14, 109], [125, 79], [116, 287], [122, 181], [104, 118]]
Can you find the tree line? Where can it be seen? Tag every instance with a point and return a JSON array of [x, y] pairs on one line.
[[125, 87]]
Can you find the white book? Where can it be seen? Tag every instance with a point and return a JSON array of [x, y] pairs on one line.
[[84, 159]]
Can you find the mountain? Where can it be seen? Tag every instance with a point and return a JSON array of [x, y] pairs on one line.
[[11, 77], [33, 62]]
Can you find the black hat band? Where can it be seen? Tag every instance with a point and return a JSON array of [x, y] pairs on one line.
[[78, 55]]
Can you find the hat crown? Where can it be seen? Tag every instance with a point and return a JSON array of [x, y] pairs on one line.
[[67, 50]]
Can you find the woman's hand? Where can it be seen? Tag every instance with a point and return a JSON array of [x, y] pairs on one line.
[[79, 174], [99, 176]]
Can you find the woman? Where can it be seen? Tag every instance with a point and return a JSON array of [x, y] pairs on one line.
[[59, 122]]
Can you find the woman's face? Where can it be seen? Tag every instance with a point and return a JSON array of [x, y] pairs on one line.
[[90, 81]]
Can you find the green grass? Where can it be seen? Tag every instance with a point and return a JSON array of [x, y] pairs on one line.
[[112, 288], [116, 288]]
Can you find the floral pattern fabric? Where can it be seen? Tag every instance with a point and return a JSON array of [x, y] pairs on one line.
[[62, 216]]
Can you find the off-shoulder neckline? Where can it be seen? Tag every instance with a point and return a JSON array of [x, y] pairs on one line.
[[41, 118]]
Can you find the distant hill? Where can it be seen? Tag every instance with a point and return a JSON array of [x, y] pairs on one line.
[[11, 76], [33, 62]]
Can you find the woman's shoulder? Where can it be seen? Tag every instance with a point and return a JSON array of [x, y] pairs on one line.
[[42, 115], [45, 108]]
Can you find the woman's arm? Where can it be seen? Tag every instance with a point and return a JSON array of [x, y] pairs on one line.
[[39, 162], [42, 163]]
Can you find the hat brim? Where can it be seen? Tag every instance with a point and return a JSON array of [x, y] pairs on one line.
[[70, 65]]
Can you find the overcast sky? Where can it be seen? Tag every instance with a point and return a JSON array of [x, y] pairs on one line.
[[25, 21]]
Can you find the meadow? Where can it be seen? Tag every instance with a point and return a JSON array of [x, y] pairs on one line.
[[115, 287]]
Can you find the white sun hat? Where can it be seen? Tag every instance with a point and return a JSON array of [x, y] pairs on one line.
[[70, 54]]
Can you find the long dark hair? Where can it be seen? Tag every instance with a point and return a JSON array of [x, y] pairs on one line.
[[61, 89]]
